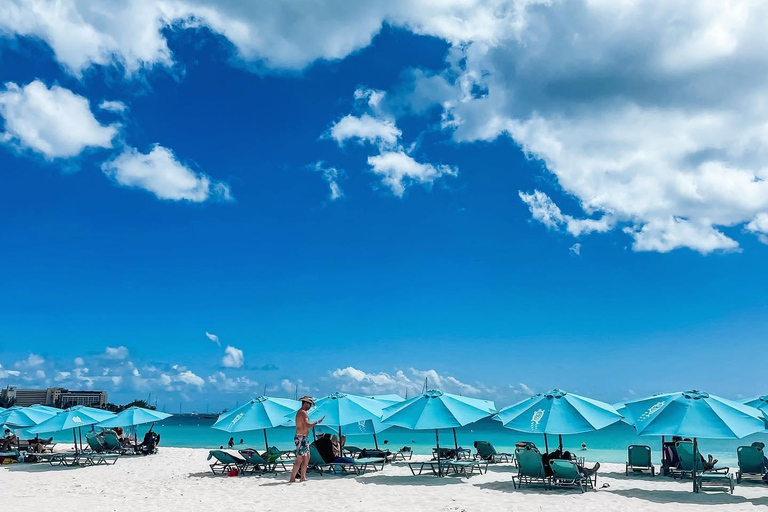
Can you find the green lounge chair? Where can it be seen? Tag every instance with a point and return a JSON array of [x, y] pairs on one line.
[[255, 462], [751, 462], [433, 465], [404, 453], [225, 461], [639, 459], [530, 467], [94, 443], [112, 442], [352, 451], [565, 473], [97, 459], [718, 476], [487, 452], [317, 462]]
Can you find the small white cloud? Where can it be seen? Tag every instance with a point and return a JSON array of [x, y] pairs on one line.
[[40, 374], [117, 380], [545, 210], [399, 170], [213, 338], [113, 106], [54, 122], [575, 249], [79, 361], [331, 176], [161, 173], [30, 362], [190, 378], [60, 376], [233, 357], [366, 128], [4, 374], [117, 353]]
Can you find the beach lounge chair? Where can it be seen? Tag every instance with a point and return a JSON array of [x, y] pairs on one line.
[[352, 451], [112, 443], [316, 461], [255, 463], [96, 459], [225, 461], [468, 467], [718, 476], [639, 459], [404, 453], [565, 473], [59, 458], [530, 466], [487, 452], [751, 462], [95, 443], [432, 465]]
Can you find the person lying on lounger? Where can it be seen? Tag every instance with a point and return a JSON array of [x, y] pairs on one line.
[[566, 455]]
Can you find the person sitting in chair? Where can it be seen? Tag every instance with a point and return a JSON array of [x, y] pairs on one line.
[[7, 442]]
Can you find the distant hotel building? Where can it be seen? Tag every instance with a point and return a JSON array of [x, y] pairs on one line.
[[54, 397]]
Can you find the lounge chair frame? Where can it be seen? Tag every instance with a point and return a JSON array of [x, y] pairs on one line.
[[636, 451]]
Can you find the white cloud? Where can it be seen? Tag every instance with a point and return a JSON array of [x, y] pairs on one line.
[[113, 106], [213, 338], [575, 249], [54, 122], [669, 149], [161, 173], [61, 376], [79, 361], [399, 170], [354, 380], [365, 128], [233, 357], [32, 361], [331, 176], [238, 384], [4, 374], [759, 226], [190, 378], [117, 353]]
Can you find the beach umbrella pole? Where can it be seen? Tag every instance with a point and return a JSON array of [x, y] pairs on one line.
[[546, 444], [74, 438], [663, 456], [375, 442], [695, 461], [455, 441], [439, 464], [266, 443], [560, 441]]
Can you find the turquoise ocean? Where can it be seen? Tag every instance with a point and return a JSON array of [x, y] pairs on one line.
[[607, 445]]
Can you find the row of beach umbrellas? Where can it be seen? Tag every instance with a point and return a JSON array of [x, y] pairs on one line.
[[40, 419], [690, 414]]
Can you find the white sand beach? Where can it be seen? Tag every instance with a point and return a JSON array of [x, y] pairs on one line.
[[179, 479]]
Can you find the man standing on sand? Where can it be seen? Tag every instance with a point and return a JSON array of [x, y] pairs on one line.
[[300, 439]]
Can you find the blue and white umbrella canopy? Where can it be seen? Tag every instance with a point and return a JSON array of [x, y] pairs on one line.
[[24, 417], [760, 403], [340, 409], [695, 414], [68, 419], [558, 412], [132, 417], [99, 414], [434, 410], [259, 413], [621, 408]]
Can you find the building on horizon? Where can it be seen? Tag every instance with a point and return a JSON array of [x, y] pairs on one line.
[[53, 397]]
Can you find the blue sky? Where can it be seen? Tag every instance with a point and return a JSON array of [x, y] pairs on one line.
[[361, 200]]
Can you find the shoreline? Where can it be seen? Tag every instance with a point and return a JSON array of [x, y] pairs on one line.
[[179, 478]]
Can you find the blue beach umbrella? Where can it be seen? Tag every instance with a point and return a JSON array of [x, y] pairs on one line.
[[435, 410], [695, 414], [373, 426], [621, 408], [132, 417], [99, 414], [73, 418], [558, 412], [759, 402], [24, 417], [341, 409], [259, 413]]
